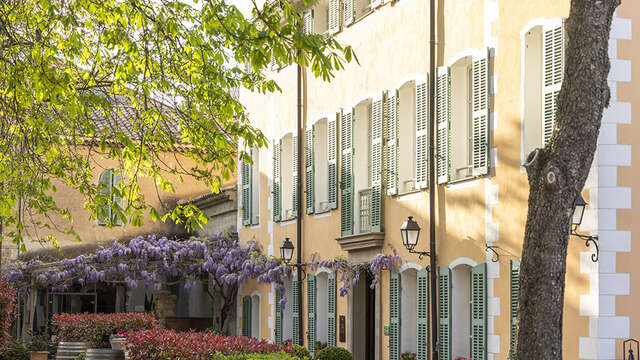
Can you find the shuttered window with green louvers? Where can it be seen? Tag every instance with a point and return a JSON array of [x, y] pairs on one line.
[[246, 316], [332, 159], [309, 170], [480, 100], [294, 165], [346, 172], [422, 140], [444, 313], [246, 193], [423, 331], [109, 183], [375, 159], [479, 312], [312, 297], [332, 309], [278, 329], [334, 16], [277, 183], [553, 49], [394, 315], [443, 119], [391, 127], [515, 288], [295, 309]]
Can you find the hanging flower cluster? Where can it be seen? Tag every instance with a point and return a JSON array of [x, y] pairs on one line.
[[152, 261], [350, 272]]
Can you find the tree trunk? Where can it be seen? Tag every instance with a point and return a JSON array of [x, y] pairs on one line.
[[557, 175]]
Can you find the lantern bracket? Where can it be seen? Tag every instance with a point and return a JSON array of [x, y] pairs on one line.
[[588, 240], [421, 254], [495, 257]]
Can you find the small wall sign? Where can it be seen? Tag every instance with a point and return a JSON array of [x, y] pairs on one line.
[[343, 329]]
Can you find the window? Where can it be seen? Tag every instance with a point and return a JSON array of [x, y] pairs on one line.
[[251, 189], [255, 316], [285, 177], [354, 10], [462, 113], [361, 166], [321, 183], [321, 171], [316, 20], [460, 314], [543, 71], [408, 310], [109, 183]]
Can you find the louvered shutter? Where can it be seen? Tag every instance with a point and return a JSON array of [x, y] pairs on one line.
[[309, 173], [332, 309], [307, 21], [246, 316], [423, 341], [479, 312], [311, 306], [375, 3], [394, 315], [278, 330], [480, 117], [295, 309], [294, 165], [515, 289], [375, 158], [391, 116], [334, 16], [106, 183], [332, 159], [422, 138], [346, 173], [246, 193], [553, 47], [444, 313], [277, 193], [115, 198], [349, 11], [443, 115]]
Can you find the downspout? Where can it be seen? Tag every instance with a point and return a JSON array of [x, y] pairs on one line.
[[299, 204], [432, 180]]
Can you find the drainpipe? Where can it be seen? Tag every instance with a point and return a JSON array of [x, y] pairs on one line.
[[432, 180], [299, 203]]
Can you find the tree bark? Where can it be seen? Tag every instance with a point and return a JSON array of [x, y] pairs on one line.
[[557, 174]]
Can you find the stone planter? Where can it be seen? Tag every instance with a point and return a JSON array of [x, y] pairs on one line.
[[118, 343], [39, 355], [105, 354]]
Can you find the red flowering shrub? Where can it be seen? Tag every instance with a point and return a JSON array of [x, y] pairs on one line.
[[160, 344], [7, 312], [96, 328]]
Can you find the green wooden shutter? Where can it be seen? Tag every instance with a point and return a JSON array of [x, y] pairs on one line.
[[479, 312], [422, 138], [346, 173], [307, 21], [278, 330], [332, 159], [334, 16], [309, 179], [515, 288], [277, 193], [115, 198], [553, 47], [391, 116], [246, 193], [311, 311], [443, 115], [394, 315], [295, 309], [480, 117], [106, 183], [349, 12], [423, 341], [375, 158], [332, 309], [444, 313], [246, 316], [294, 165]]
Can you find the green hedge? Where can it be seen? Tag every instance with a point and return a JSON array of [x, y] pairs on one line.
[[334, 353], [271, 356]]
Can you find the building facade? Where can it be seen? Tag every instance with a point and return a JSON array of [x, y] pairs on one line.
[[364, 171]]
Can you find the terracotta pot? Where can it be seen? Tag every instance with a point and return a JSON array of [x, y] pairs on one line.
[[39, 355], [118, 343]]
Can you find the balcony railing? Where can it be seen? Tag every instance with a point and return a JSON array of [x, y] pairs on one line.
[[364, 197]]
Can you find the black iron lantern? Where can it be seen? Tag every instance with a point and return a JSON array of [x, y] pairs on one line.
[[286, 251], [578, 211], [410, 231]]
